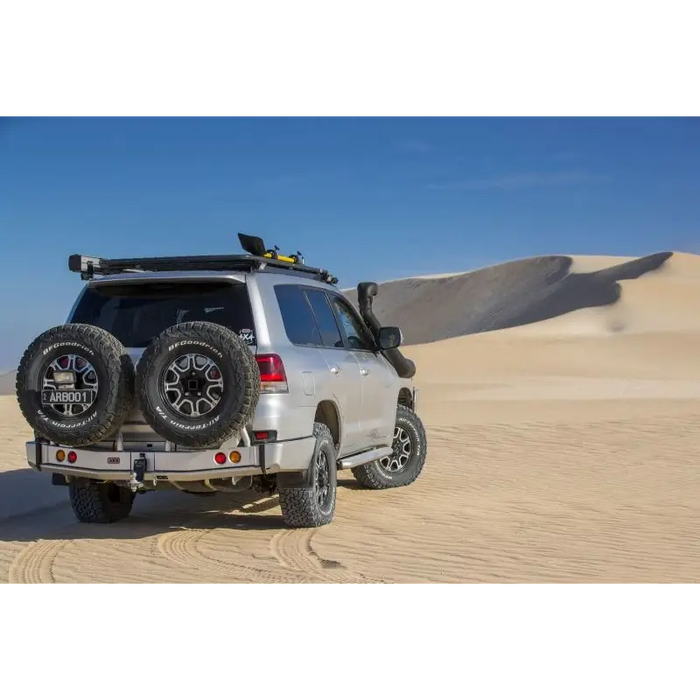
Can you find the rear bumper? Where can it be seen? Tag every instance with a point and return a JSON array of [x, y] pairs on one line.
[[271, 458]]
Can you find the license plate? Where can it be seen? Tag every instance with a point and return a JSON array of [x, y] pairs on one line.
[[52, 397]]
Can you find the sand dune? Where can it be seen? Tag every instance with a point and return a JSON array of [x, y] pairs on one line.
[[525, 292], [560, 450], [7, 383]]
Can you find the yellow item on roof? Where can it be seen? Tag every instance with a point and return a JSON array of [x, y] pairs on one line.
[[283, 258]]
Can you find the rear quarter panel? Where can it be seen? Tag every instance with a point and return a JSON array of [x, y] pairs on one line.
[[292, 414]]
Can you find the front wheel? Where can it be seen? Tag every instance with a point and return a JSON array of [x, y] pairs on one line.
[[403, 466]]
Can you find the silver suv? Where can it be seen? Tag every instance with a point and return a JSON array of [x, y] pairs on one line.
[[219, 373]]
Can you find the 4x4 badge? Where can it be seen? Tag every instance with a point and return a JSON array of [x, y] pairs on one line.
[[247, 336], [114, 460]]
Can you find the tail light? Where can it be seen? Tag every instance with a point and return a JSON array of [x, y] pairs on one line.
[[273, 378]]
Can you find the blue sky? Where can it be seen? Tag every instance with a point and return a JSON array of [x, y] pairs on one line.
[[374, 198]]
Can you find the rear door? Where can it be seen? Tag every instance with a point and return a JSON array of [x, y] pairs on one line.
[[378, 379], [135, 310], [306, 369], [344, 370]]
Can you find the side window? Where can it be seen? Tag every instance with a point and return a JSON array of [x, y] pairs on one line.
[[330, 334], [357, 336], [299, 322]]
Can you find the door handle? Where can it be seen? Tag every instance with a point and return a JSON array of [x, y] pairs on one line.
[[364, 372], [335, 370]]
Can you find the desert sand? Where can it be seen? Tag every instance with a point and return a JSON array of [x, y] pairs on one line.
[[564, 446]]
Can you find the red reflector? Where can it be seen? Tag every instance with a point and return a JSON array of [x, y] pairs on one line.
[[220, 458], [262, 436], [271, 368], [72, 457]]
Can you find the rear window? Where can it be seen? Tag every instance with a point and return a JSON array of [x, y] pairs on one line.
[[135, 313]]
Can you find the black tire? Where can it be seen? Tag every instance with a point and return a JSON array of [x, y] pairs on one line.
[[314, 505], [99, 502], [113, 373], [378, 476], [235, 401]]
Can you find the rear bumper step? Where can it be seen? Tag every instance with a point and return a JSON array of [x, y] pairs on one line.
[[106, 465]]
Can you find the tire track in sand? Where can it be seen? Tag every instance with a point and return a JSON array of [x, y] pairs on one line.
[[294, 550], [182, 548], [34, 564]]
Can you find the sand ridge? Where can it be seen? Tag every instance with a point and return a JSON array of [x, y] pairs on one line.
[[558, 451], [546, 289]]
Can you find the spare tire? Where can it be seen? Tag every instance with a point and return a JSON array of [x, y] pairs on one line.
[[197, 384], [75, 384]]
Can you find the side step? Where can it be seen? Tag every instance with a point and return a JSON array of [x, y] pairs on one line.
[[364, 458]]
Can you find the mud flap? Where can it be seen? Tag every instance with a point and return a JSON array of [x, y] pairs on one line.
[[293, 480], [286, 479]]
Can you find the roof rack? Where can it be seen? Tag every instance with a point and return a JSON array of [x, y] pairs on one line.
[[90, 267]]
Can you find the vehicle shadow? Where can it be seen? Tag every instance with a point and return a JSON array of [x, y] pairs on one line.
[[350, 483], [31, 509]]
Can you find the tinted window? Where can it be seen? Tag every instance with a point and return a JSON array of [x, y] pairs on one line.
[[299, 322], [358, 338], [326, 319], [135, 313]]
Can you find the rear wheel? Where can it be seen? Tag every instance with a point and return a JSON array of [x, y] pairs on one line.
[[99, 502], [403, 466], [314, 504]]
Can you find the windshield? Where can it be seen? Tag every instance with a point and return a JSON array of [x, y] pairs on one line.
[[135, 313]]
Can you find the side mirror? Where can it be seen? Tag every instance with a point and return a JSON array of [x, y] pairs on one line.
[[390, 337]]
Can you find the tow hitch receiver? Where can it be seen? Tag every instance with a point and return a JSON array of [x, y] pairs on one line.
[[138, 472]]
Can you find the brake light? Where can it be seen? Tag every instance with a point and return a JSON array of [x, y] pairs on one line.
[[72, 457], [273, 378]]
